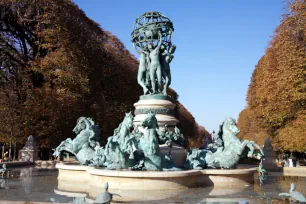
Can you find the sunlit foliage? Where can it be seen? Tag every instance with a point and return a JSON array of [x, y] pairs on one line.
[[277, 93], [57, 65]]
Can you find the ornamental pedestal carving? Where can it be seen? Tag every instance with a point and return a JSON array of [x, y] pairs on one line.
[[164, 110], [270, 156], [30, 151]]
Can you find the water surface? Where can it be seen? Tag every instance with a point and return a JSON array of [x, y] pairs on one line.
[[41, 186]]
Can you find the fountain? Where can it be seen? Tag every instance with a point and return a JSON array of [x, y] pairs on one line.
[[29, 152], [142, 159]]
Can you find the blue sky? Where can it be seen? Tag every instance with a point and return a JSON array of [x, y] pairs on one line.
[[218, 45]]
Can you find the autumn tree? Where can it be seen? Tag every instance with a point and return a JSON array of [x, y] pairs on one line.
[[58, 65], [277, 94]]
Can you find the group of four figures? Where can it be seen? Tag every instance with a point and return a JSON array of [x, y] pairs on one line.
[[154, 65]]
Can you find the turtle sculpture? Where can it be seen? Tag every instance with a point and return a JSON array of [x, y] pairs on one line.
[[3, 170], [3, 183], [294, 196], [104, 197]]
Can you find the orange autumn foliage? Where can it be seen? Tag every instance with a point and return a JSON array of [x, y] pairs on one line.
[[56, 65], [277, 93]]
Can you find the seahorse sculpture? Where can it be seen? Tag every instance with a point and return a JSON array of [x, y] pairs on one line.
[[227, 152], [83, 145]]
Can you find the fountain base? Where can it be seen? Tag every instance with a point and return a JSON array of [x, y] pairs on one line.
[[155, 180]]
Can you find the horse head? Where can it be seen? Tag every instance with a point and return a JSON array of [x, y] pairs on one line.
[[82, 124], [229, 125], [128, 120], [150, 121]]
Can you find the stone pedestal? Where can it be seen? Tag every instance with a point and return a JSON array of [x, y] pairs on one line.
[[270, 156], [164, 110], [30, 151], [76, 177]]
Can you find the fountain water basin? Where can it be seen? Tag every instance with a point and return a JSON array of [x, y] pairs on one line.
[[155, 180]]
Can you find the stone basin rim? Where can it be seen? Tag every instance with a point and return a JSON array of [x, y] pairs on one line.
[[154, 174]]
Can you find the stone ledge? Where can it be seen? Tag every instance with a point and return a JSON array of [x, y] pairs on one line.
[[143, 174], [293, 171], [155, 97], [17, 163], [161, 119], [154, 104], [72, 167], [163, 111], [228, 171], [155, 180]]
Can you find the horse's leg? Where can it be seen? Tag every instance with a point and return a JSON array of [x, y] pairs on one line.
[[242, 146], [259, 148], [251, 152], [252, 145]]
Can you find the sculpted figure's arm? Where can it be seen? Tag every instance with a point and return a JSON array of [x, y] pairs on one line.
[[169, 59], [166, 53], [136, 49], [144, 52], [141, 51], [172, 49], [160, 40]]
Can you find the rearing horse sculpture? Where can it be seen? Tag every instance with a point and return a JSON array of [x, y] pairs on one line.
[[229, 155], [117, 148], [88, 135]]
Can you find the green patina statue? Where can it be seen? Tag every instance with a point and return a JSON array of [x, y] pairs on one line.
[[218, 142], [261, 170], [146, 146], [147, 151], [166, 136], [117, 148], [83, 146], [99, 158], [262, 173], [3, 171], [229, 155], [293, 195], [227, 152], [139, 150], [151, 38], [105, 197], [125, 149], [195, 159]]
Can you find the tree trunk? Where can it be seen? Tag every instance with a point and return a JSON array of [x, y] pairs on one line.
[[15, 151], [10, 147], [3, 146]]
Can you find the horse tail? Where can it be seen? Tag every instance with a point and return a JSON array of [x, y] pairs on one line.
[[94, 134], [284, 194]]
